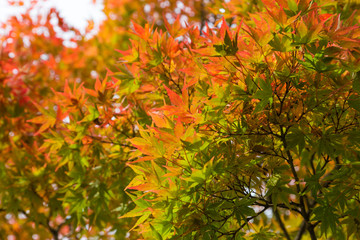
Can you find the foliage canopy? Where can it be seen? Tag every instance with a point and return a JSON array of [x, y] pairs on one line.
[[242, 123]]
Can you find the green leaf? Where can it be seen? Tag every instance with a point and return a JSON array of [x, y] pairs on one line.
[[265, 95], [313, 182], [229, 48], [296, 138], [329, 219], [155, 233], [283, 45], [292, 5], [93, 114], [243, 209], [144, 216]]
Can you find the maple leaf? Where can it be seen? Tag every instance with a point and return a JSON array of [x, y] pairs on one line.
[[175, 29]]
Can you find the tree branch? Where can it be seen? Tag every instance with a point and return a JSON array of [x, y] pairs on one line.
[[281, 224], [301, 231]]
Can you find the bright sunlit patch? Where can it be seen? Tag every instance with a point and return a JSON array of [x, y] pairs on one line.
[[76, 13], [66, 120]]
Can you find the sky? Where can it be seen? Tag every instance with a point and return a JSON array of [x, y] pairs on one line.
[[75, 12]]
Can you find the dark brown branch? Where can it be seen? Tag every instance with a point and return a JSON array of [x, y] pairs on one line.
[[281, 224], [202, 16], [301, 231], [313, 203]]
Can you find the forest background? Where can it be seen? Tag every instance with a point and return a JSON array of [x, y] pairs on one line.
[[191, 119]]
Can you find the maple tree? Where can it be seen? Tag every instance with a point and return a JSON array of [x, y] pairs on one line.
[[35, 65], [222, 120]]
